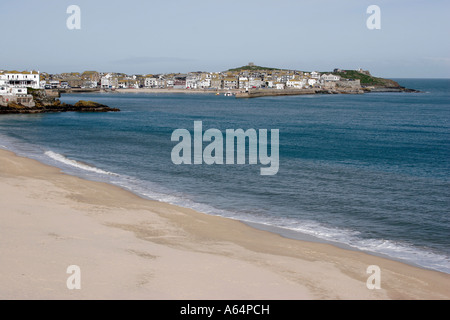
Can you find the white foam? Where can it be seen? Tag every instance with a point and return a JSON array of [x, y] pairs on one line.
[[395, 249], [403, 251], [60, 158]]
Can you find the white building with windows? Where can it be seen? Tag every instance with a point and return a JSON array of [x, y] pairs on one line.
[[191, 83], [109, 82], [230, 83], [4, 90], [54, 84], [170, 83], [15, 95], [204, 83], [89, 84], [330, 77], [315, 75], [243, 83], [151, 82], [14, 87], [296, 83], [255, 83], [20, 80], [280, 85]]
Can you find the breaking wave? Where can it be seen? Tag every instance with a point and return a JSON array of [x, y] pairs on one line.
[[60, 158]]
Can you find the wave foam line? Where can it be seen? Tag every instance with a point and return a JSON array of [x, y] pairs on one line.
[[60, 158]]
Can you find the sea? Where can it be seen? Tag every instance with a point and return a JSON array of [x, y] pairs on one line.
[[365, 172]]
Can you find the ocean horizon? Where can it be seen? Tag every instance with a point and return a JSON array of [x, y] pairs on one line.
[[366, 172]]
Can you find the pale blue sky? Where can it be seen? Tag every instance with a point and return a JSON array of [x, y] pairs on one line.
[[138, 36]]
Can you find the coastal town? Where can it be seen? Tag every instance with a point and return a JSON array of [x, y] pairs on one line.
[[246, 81]]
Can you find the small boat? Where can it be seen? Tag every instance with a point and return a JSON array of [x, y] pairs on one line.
[[228, 94]]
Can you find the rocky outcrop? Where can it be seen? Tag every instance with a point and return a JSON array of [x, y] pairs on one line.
[[370, 83], [89, 104], [388, 89], [44, 103]]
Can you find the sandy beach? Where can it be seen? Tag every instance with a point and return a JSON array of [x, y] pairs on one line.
[[171, 90], [131, 248]]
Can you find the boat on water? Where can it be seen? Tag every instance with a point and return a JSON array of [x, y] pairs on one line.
[[228, 94]]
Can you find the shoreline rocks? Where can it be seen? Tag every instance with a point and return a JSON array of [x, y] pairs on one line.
[[389, 89], [45, 104]]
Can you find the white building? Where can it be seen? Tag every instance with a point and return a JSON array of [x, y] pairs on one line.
[[230, 83], [109, 82], [21, 80], [270, 84], [315, 75], [4, 90], [89, 84], [54, 84], [193, 79], [285, 78], [191, 83], [205, 83], [296, 83], [255, 83], [280, 86], [151, 82], [330, 77], [14, 88], [15, 95], [243, 83]]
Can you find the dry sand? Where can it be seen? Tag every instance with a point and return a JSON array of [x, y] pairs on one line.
[[131, 248], [170, 90]]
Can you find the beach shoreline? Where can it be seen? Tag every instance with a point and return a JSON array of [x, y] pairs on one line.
[[169, 90], [132, 248]]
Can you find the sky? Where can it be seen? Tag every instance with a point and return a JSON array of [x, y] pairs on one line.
[[146, 36]]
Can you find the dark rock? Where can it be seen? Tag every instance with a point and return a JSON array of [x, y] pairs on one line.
[[89, 104], [45, 104]]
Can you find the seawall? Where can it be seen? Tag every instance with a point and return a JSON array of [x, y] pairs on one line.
[[274, 92]]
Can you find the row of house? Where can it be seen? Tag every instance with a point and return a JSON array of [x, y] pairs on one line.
[[243, 79], [221, 80]]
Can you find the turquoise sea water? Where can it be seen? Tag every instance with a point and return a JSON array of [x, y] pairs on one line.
[[368, 171]]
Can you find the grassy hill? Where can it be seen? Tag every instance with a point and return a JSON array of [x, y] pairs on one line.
[[252, 68], [367, 80]]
